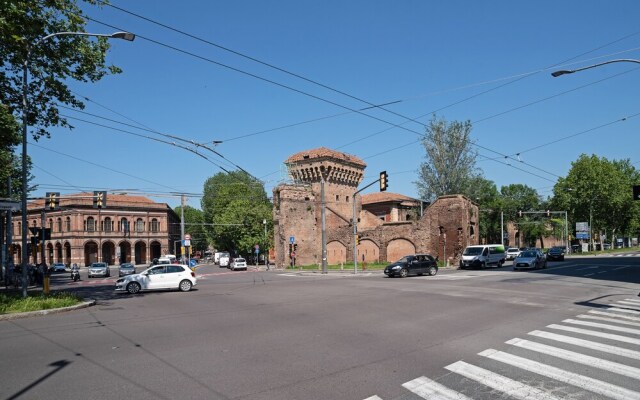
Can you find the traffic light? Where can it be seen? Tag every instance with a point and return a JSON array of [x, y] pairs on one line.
[[295, 247], [52, 201], [290, 248], [384, 181], [99, 199]]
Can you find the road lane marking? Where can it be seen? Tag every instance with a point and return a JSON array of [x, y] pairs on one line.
[[619, 338], [623, 310], [571, 378], [618, 316], [432, 390], [605, 348], [498, 382], [617, 321], [373, 398], [603, 326], [596, 362], [628, 304], [633, 301]]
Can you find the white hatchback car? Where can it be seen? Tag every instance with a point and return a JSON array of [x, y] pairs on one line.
[[172, 276], [239, 263]]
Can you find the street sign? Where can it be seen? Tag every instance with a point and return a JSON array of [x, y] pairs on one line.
[[9, 205], [292, 239], [582, 226], [186, 243], [187, 237], [636, 192], [582, 235]]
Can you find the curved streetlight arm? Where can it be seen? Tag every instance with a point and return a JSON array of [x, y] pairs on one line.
[[25, 74], [556, 74]]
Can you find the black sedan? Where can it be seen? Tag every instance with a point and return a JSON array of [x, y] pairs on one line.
[[556, 253], [418, 264]]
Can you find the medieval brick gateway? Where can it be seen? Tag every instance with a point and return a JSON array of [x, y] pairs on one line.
[[446, 226]]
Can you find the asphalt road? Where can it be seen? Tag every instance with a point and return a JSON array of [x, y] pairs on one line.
[[564, 332]]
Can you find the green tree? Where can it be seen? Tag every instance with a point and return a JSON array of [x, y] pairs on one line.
[[450, 163], [235, 205], [599, 190], [52, 64], [519, 197], [485, 193], [194, 226]]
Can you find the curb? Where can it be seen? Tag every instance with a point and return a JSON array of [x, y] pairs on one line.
[[12, 316]]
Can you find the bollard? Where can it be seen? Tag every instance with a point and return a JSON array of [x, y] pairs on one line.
[[45, 285]]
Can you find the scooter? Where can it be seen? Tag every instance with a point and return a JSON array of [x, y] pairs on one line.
[[75, 274]]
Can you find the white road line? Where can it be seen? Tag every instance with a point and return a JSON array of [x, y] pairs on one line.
[[498, 382], [596, 362], [617, 321], [582, 269], [581, 381], [619, 338], [432, 390], [373, 398], [617, 269], [633, 301], [605, 348], [614, 315], [634, 306], [603, 326], [624, 310]]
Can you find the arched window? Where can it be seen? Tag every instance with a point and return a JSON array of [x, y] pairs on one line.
[[68, 223], [107, 225], [51, 224], [19, 229], [90, 225], [139, 225], [155, 225], [123, 225], [59, 224], [34, 223]]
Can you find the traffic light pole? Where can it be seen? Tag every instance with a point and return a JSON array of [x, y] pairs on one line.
[[43, 260], [355, 224]]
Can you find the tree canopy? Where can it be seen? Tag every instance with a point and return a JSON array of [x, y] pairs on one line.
[[450, 163], [235, 205], [194, 226]]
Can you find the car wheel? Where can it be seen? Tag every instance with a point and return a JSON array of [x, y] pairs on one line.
[[185, 285], [404, 272], [133, 287], [433, 270]]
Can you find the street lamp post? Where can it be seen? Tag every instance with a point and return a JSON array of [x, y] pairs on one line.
[[25, 73], [266, 252], [556, 74]]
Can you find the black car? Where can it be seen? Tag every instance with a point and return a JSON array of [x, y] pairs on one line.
[[418, 264], [556, 253]]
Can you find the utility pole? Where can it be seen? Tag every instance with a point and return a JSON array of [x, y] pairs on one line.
[[9, 255], [183, 201]]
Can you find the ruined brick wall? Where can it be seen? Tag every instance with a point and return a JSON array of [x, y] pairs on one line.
[[294, 214]]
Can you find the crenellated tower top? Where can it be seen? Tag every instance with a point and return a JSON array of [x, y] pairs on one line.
[[310, 166]]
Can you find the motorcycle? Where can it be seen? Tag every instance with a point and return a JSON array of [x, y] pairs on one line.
[[75, 274]]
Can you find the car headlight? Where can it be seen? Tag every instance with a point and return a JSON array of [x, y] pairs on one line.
[[396, 267]]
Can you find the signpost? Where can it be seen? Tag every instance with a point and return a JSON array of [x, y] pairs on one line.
[[9, 205]]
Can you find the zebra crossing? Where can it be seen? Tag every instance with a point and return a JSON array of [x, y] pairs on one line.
[[593, 355], [626, 255]]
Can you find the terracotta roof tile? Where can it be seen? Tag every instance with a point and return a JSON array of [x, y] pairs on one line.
[[322, 152], [383, 197]]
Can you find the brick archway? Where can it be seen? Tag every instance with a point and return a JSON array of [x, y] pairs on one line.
[[336, 253], [108, 252], [368, 251], [90, 253], [398, 248]]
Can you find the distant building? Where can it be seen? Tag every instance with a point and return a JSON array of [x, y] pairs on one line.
[[389, 225], [129, 229]]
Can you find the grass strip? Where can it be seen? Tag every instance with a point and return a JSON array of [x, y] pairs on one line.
[[15, 303]]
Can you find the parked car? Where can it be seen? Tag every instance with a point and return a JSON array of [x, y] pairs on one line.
[[238, 263], [99, 269], [556, 253], [59, 267], [418, 264], [126, 269], [530, 259], [512, 253], [166, 276], [224, 260]]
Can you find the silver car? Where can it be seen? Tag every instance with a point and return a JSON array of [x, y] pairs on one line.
[[99, 269], [530, 259], [239, 263], [126, 269]]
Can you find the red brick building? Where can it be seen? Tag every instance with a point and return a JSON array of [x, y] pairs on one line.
[[129, 229]]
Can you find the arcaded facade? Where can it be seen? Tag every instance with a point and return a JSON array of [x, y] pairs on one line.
[[388, 229], [131, 229]]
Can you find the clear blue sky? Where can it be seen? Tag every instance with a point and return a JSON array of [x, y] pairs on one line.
[[427, 56]]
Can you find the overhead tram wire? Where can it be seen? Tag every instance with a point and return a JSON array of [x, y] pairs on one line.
[[100, 166]]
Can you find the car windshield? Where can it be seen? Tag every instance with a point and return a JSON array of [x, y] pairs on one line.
[[512, 250], [98, 265], [528, 254], [239, 260], [404, 259], [472, 251]]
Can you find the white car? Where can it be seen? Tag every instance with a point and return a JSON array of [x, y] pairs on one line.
[[59, 267], [512, 253], [238, 263], [172, 276]]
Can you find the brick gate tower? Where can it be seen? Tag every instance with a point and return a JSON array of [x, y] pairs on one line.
[[297, 206]]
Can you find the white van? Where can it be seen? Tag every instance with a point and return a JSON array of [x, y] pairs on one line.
[[483, 255]]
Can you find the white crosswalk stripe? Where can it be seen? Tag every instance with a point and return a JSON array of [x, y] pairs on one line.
[[498, 382], [595, 362], [614, 315], [581, 381], [628, 304], [550, 360], [432, 390]]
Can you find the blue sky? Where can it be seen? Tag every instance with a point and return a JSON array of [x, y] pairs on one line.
[[487, 62]]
